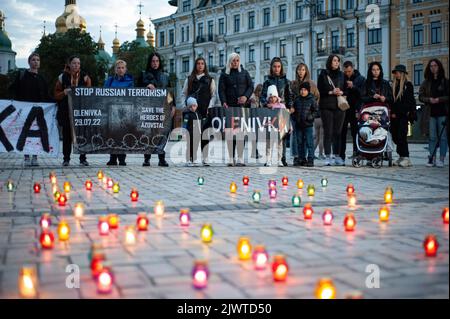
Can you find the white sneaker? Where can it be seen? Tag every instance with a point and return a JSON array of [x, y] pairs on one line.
[[404, 162], [188, 164], [397, 161], [439, 163], [268, 164], [338, 161], [432, 164], [27, 161], [328, 161]]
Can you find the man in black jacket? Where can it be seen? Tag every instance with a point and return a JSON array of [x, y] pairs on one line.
[[353, 89], [235, 89]]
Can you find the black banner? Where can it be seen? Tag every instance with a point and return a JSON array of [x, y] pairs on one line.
[[120, 120]]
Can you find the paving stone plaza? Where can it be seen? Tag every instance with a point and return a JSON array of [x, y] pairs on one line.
[[376, 260]]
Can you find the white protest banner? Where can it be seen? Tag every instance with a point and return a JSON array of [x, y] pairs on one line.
[[28, 128]]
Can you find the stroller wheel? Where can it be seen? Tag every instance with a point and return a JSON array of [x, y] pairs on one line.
[[389, 155], [377, 162], [357, 162]]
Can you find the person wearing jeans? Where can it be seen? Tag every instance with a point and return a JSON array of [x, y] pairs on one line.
[[434, 92]]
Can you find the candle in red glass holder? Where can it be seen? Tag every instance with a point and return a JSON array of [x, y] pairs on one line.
[[46, 221], [88, 185], [113, 221], [97, 262], [327, 217], [279, 268], [285, 181], [350, 189], [134, 195], [308, 211], [431, 246], [272, 183], [142, 222], [37, 188], [103, 226], [105, 281], [185, 217], [62, 200], [47, 239], [200, 274], [245, 180], [349, 222], [109, 183], [445, 215], [260, 257]]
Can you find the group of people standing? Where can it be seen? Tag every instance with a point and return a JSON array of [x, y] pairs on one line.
[[317, 120]]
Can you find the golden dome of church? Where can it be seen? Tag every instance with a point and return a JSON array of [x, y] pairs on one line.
[[70, 19]]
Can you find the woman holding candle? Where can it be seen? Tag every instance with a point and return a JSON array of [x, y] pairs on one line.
[[121, 79], [202, 87], [153, 78], [72, 77], [30, 86], [434, 92]]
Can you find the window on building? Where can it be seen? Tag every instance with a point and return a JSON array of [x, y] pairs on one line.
[[266, 51], [334, 7], [299, 46], [436, 32], [210, 60], [237, 22], [221, 26], [200, 29], [251, 20], [418, 34], [350, 37], [335, 40], [417, 1], [350, 4], [187, 34], [221, 58], [320, 7], [251, 53], [266, 17], [282, 13], [185, 64], [210, 30], [172, 66], [418, 74], [374, 36], [162, 39], [282, 48], [320, 42], [237, 50], [171, 37], [182, 34], [299, 10], [186, 5]]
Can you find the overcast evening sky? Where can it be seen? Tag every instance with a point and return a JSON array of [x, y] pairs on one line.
[[24, 23]]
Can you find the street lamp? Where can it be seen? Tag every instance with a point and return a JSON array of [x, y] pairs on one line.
[[312, 5]]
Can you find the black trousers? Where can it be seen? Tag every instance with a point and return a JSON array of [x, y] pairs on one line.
[[161, 156], [67, 142], [115, 157], [399, 131], [350, 117], [332, 121]]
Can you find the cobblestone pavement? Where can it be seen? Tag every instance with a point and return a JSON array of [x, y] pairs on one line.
[[159, 264]]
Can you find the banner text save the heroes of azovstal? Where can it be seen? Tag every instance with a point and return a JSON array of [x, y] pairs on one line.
[[137, 120]]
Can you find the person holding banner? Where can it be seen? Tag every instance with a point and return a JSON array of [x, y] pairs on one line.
[[30, 86], [235, 90], [121, 79], [202, 87], [278, 78], [72, 77], [154, 77]]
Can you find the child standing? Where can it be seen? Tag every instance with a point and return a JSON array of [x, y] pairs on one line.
[[305, 111], [192, 123], [274, 103]]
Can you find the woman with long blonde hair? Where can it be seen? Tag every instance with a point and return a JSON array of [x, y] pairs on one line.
[[403, 110]]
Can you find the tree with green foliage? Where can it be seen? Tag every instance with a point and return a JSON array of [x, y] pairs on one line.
[[55, 49], [135, 56]]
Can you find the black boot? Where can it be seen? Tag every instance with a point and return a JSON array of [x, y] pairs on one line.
[[283, 161], [112, 160], [147, 158], [162, 160]]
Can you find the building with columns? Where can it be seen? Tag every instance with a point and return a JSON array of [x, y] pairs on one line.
[[295, 30]]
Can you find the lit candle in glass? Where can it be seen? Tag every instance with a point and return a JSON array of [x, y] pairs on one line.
[[311, 190], [308, 211], [47, 239], [103, 226], [273, 193], [324, 182], [431, 246], [88, 185], [279, 268], [245, 180], [62, 200], [116, 188], [113, 221], [100, 174], [185, 217], [349, 222], [130, 235], [206, 233], [256, 196], [272, 183], [105, 281], [285, 181], [134, 195], [233, 187], [327, 217], [296, 201], [46, 221], [37, 188], [325, 289], [109, 183], [28, 283], [260, 257], [78, 210], [383, 214], [200, 180], [10, 186], [300, 184], [200, 274], [445, 215], [244, 248], [142, 222], [350, 189], [67, 187], [63, 231], [159, 208]]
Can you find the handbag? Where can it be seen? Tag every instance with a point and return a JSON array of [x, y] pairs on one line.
[[341, 100]]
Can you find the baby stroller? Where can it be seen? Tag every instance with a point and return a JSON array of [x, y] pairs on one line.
[[377, 147]]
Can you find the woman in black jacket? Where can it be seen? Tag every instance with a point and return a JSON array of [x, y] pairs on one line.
[[278, 78], [235, 90], [332, 115], [154, 77], [376, 88], [402, 111]]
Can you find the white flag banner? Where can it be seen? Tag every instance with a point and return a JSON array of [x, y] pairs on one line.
[[28, 128]]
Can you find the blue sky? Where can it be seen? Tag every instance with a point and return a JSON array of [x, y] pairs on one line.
[[24, 23]]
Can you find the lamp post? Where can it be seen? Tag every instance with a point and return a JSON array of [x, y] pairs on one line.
[[312, 5]]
